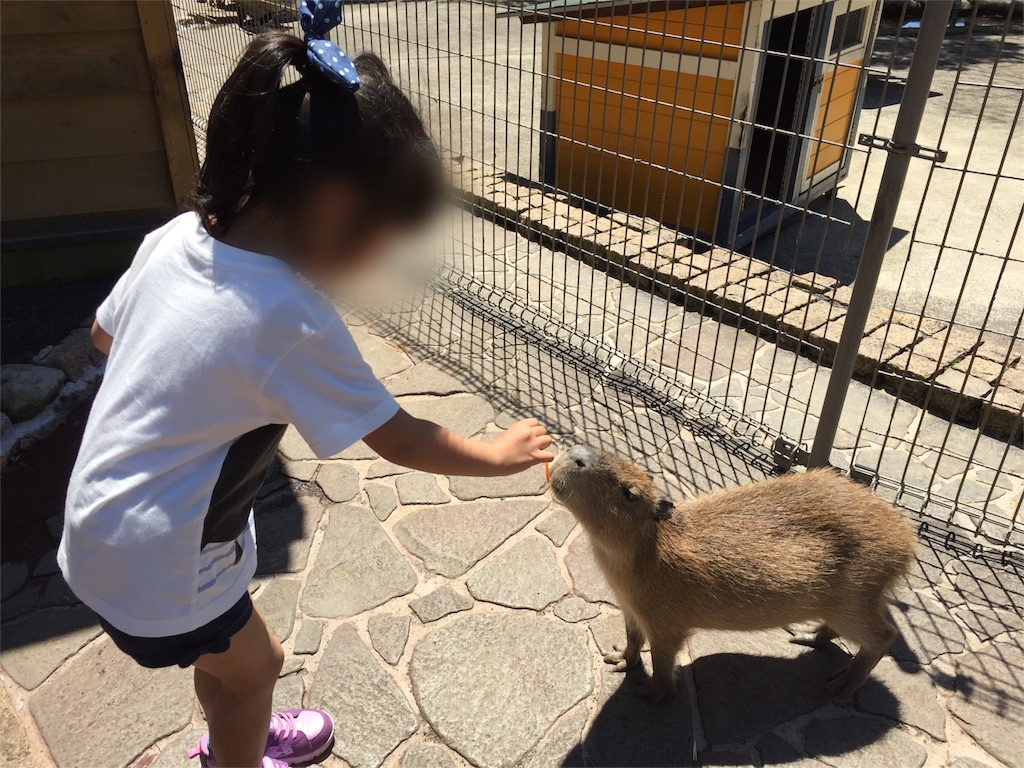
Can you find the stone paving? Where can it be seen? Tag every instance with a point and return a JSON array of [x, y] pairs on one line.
[[450, 622]]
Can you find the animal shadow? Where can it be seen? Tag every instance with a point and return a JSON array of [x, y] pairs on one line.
[[740, 696]]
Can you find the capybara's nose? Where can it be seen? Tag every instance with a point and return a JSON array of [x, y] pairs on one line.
[[580, 455]]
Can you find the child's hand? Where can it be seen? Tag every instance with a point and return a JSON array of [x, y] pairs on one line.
[[521, 446]]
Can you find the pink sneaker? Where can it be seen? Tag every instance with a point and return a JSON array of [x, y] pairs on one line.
[[296, 736]]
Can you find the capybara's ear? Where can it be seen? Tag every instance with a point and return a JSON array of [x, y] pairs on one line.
[[663, 511]]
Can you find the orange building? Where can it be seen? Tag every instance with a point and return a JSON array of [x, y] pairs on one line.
[[713, 117]]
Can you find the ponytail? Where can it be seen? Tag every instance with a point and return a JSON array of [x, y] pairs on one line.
[[266, 141], [240, 137]]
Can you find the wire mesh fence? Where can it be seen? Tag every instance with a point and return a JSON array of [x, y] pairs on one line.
[[663, 211]]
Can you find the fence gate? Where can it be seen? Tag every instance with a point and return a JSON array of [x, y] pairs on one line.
[[664, 214]]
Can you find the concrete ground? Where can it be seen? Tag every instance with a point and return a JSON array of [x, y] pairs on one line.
[[445, 621]]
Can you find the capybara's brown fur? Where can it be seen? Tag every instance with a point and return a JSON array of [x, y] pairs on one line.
[[812, 546]]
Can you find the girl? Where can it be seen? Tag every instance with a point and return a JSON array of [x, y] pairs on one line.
[[216, 343]]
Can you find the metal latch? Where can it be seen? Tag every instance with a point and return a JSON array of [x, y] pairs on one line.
[[787, 453], [914, 150]]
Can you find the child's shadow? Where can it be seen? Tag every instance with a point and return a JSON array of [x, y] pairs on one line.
[[740, 696]]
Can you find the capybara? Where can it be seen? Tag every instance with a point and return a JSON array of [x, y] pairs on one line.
[[811, 546]]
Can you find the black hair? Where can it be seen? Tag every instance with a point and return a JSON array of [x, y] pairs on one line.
[[267, 141]]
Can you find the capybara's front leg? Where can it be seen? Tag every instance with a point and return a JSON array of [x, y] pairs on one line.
[[663, 679], [629, 657]]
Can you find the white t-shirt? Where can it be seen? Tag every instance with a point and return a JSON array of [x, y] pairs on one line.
[[215, 350]]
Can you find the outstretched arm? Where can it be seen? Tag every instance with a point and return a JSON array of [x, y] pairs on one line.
[[426, 446]]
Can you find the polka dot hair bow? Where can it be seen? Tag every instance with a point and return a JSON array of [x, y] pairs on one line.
[[318, 17]]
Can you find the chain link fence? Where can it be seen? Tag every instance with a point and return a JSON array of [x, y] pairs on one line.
[[663, 214]]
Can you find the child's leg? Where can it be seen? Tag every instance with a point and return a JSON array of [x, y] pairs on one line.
[[239, 714], [207, 690]]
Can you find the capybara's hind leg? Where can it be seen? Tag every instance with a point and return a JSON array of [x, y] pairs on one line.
[[628, 657], [873, 633], [819, 638]]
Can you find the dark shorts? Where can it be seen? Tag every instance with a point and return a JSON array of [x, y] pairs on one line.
[[183, 650]]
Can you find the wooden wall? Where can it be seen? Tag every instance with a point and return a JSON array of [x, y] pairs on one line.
[[650, 140], [95, 130]]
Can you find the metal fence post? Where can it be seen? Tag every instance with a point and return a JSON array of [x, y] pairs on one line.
[[901, 148]]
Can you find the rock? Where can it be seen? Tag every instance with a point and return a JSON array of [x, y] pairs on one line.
[[853, 742], [451, 539], [587, 580], [285, 534], [292, 664], [774, 750], [382, 500], [25, 390], [73, 356], [629, 731], [339, 481], [371, 716], [47, 565], [988, 623], [989, 700], [6, 425], [57, 593], [37, 645], [307, 639], [983, 584], [426, 756], [277, 602], [573, 609], [383, 359], [293, 447], [420, 488], [526, 576], [173, 753], [608, 632], [749, 682], [357, 568], [15, 747], [561, 746], [439, 604], [13, 577], [288, 693], [535, 667], [299, 470], [926, 629], [557, 526], [424, 379], [389, 634], [464, 414], [384, 468], [91, 711], [357, 452], [725, 759], [528, 483], [967, 762], [905, 693], [21, 603]]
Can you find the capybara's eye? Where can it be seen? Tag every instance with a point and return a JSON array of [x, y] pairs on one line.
[[629, 494]]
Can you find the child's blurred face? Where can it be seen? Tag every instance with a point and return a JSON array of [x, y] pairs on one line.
[[328, 240]]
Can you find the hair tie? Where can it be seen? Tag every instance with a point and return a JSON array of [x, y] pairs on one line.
[[318, 17]]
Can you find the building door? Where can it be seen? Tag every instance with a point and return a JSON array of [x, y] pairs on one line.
[[834, 98]]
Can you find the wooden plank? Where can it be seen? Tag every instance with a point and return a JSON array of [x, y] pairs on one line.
[[695, 31], [30, 17], [79, 126], [72, 64], [68, 187], [164, 57]]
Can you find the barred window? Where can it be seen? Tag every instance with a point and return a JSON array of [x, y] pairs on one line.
[[849, 30]]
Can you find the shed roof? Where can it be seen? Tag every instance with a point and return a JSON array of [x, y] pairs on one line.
[[553, 10]]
